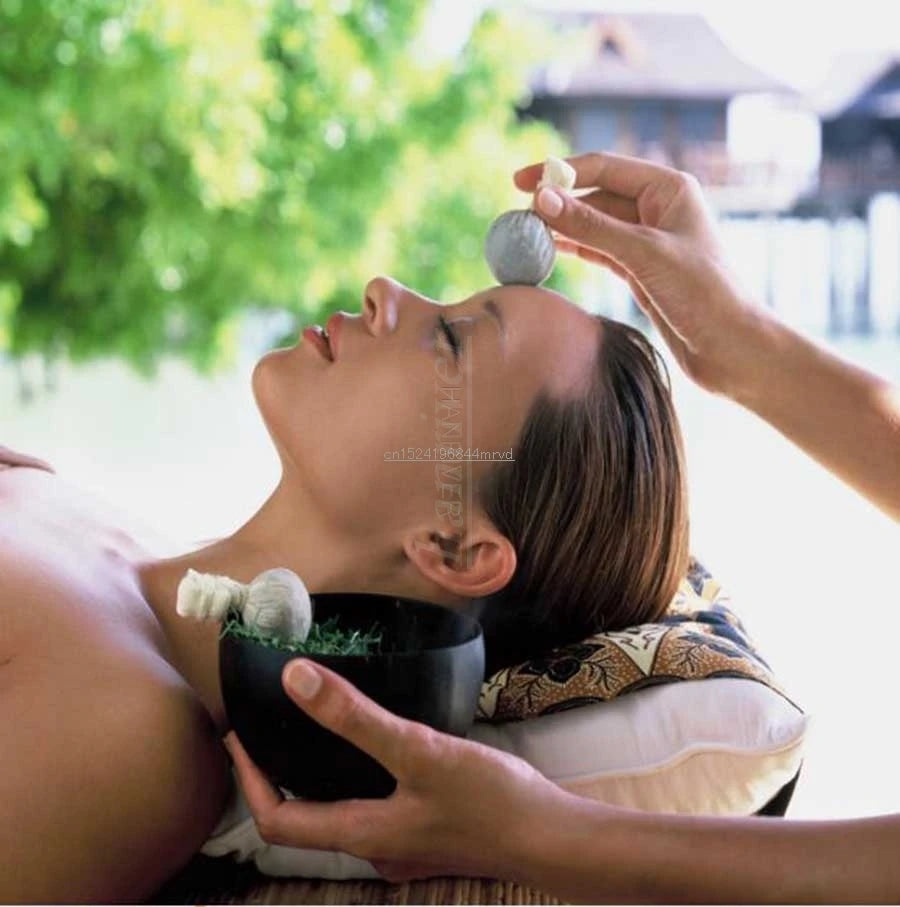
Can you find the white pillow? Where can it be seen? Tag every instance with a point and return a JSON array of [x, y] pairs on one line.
[[717, 746]]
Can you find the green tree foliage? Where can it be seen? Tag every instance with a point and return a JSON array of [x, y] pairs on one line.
[[168, 164]]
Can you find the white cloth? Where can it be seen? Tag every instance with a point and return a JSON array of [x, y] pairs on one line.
[[236, 836]]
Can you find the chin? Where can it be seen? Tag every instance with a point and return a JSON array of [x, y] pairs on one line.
[[271, 386], [260, 383], [276, 374]]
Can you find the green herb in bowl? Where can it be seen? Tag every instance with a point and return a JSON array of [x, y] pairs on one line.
[[326, 638]]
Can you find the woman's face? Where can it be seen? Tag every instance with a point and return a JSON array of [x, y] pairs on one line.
[[391, 429]]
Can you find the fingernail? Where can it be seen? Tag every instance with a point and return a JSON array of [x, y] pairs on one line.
[[549, 201], [303, 681]]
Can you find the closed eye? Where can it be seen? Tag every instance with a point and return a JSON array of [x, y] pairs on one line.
[[450, 335]]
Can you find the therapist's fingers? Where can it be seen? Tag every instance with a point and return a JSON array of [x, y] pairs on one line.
[[586, 253], [632, 245], [11, 458], [339, 706], [398, 871], [641, 296], [607, 261], [614, 205], [299, 823], [261, 795], [596, 257], [611, 203], [626, 176]]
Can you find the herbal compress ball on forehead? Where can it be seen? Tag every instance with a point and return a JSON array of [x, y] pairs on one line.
[[519, 246]]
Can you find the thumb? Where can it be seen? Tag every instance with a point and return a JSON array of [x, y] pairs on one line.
[[630, 244], [340, 707]]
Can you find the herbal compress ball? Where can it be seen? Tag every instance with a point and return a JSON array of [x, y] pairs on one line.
[[276, 602], [519, 247]]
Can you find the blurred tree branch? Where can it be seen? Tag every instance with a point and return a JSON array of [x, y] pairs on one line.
[[169, 164]]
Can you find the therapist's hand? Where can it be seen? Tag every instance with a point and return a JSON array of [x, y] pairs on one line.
[[650, 225], [11, 458], [460, 808]]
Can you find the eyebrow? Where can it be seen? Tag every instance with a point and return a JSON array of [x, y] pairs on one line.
[[493, 310]]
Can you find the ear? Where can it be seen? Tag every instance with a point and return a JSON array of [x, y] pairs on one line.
[[473, 564]]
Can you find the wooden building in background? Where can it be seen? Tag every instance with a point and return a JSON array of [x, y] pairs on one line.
[[859, 110], [652, 85], [659, 86]]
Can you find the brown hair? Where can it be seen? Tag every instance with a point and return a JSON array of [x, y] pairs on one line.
[[595, 504]]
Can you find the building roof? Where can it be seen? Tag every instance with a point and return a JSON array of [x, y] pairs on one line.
[[850, 76], [648, 55]]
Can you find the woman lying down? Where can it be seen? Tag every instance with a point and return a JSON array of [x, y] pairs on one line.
[[112, 774]]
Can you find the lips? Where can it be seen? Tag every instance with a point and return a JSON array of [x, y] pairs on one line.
[[326, 340], [318, 339], [333, 328]]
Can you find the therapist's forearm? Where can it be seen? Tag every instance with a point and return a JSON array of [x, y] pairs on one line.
[[598, 854], [842, 416]]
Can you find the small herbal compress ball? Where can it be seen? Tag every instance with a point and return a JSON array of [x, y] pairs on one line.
[[276, 602], [519, 248]]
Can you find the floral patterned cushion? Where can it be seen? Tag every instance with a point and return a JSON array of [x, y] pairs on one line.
[[699, 637]]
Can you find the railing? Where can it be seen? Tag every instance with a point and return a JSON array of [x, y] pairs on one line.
[[712, 165], [715, 168], [862, 175], [773, 186], [746, 185]]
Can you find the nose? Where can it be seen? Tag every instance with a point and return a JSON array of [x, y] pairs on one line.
[[382, 298]]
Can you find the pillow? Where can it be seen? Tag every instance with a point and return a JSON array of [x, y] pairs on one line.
[[682, 716], [722, 747]]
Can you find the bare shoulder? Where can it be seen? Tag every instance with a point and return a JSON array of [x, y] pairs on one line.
[[112, 782], [111, 772], [50, 499]]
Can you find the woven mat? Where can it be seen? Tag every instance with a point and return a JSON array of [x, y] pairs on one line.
[[208, 881]]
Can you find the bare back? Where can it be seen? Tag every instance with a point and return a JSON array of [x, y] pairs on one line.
[[111, 773]]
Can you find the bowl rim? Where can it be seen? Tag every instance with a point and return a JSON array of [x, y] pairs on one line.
[[475, 633]]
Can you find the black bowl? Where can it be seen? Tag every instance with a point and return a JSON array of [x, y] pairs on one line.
[[430, 669]]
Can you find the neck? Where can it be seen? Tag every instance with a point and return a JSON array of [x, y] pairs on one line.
[[283, 533]]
